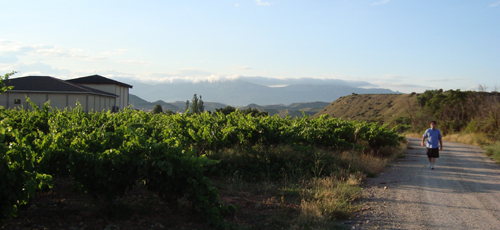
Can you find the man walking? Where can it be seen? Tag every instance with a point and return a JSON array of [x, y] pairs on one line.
[[434, 143]]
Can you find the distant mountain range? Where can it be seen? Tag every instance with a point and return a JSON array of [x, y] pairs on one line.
[[293, 110], [240, 92], [178, 106]]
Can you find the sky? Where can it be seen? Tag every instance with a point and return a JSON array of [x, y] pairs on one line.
[[402, 45]]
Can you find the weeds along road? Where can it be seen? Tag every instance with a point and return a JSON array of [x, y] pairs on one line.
[[463, 192]]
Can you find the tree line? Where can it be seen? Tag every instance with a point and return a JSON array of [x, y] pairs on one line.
[[455, 111], [196, 106]]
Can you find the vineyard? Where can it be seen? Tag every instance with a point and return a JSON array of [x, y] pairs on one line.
[[173, 156]]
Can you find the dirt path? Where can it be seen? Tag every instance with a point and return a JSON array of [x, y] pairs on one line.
[[463, 192]]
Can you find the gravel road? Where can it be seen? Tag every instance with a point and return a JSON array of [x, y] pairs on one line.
[[463, 192]]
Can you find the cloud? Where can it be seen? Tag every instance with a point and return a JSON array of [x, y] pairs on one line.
[[197, 76], [41, 69], [260, 3], [451, 79], [495, 4], [133, 62], [58, 52], [400, 87], [191, 72], [8, 58], [10, 50], [13, 48], [267, 81], [155, 78], [395, 77], [243, 68], [182, 77], [381, 2], [419, 85], [115, 52], [236, 5]]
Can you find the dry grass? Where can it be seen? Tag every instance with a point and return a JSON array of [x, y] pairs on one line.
[[311, 202], [414, 135], [327, 199], [323, 188], [370, 107], [493, 151], [366, 162], [477, 139], [318, 203]]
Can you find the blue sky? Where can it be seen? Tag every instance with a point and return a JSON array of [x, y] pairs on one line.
[[402, 45]]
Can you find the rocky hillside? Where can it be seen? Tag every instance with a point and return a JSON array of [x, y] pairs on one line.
[[384, 108]]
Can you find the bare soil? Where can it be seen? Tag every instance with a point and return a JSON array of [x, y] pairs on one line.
[[463, 192], [64, 208]]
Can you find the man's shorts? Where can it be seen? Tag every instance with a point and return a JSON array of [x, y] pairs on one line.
[[433, 153]]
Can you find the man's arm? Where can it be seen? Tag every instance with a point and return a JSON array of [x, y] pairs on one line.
[[440, 144], [423, 139]]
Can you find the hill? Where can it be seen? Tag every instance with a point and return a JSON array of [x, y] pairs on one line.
[[293, 110], [383, 108], [178, 106], [141, 104]]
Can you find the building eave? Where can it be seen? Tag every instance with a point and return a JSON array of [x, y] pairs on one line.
[[60, 92]]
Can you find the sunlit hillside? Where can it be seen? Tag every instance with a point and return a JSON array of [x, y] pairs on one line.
[[372, 107]]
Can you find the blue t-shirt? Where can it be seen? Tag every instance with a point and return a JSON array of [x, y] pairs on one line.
[[433, 137]]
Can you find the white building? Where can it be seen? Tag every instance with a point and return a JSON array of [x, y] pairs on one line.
[[94, 93]]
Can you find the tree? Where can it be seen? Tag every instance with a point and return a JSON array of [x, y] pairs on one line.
[[255, 112], [186, 109], [197, 105], [226, 110], [169, 112], [201, 106], [157, 109], [3, 87], [448, 107]]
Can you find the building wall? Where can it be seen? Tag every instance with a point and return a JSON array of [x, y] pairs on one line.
[[75, 99], [121, 91], [122, 100], [59, 101], [102, 103], [9, 100], [3, 100], [91, 103], [37, 98], [102, 87]]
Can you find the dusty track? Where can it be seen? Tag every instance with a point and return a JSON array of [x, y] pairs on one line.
[[463, 192]]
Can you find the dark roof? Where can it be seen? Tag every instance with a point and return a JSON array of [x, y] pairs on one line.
[[97, 79], [46, 84]]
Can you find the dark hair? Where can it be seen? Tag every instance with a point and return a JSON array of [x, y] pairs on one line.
[[433, 122]]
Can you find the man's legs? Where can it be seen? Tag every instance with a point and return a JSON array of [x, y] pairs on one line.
[[432, 161], [432, 154]]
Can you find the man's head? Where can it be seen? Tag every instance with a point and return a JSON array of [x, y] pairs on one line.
[[433, 124]]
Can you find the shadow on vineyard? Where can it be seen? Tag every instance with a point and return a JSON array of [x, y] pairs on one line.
[[137, 170]]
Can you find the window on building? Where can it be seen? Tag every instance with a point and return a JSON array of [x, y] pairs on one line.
[[17, 101]]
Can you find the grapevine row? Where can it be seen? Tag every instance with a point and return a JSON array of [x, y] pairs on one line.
[[108, 153]]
